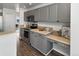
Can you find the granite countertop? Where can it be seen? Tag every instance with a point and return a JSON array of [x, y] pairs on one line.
[[3, 33], [59, 39], [24, 27], [41, 32], [53, 37]]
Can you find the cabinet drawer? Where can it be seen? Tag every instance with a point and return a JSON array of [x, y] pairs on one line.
[[61, 48], [61, 44]]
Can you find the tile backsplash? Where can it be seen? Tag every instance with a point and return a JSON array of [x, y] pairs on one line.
[[55, 26]]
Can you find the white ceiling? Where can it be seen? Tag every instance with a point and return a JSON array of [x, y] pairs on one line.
[[7, 5], [21, 5], [27, 5]]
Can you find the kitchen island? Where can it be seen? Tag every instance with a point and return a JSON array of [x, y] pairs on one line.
[[8, 43], [4, 33]]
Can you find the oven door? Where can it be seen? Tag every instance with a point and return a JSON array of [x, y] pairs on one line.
[[26, 33]]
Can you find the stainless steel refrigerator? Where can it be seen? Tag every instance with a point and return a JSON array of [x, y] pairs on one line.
[[1, 26]]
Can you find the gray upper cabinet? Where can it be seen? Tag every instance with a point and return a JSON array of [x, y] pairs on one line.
[[37, 14], [26, 14], [63, 12], [44, 14], [59, 12], [52, 13], [30, 12], [33, 39]]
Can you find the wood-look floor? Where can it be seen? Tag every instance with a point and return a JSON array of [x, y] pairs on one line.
[[25, 49]]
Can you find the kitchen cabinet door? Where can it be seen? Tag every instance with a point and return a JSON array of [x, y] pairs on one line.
[[31, 12], [46, 45], [37, 14], [63, 12], [21, 33], [34, 40], [52, 13], [26, 14], [43, 44], [44, 14], [40, 42]]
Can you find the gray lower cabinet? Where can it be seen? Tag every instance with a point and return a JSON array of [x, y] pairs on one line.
[[21, 33], [41, 43], [32, 39], [61, 48], [45, 46]]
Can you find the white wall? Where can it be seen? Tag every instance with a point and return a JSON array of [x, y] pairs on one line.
[[0, 23], [0, 20], [9, 20], [21, 16], [0, 10], [75, 29], [17, 17]]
